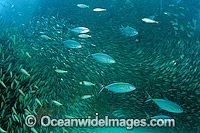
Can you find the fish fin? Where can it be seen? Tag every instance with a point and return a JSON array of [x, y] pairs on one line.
[[148, 100], [101, 86], [159, 109], [121, 28], [147, 115], [68, 30], [100, 90], [89, 54], [149, 97]]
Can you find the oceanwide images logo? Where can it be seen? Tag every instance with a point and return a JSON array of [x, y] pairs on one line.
[[129, 124]]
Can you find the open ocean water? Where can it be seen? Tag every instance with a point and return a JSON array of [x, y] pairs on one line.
[[63, 62]]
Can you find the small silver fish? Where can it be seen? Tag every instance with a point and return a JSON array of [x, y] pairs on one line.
[[60, 71], [86, 96], [79, 30], [86, 83], [2, 131], [82, 6], [25, 72], [56, 103], [98, 9], [38, 101], [147, 20], [84, 36]]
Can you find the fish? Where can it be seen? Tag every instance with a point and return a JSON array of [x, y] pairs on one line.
[[22, 51], [158, 117], [128, 31], [147, 20], [86, 83], [45, 37], [82, 6], [33, 130], [68, 116], [60, 71], [35, 48], [72, 44], [160, 6], [151, 17], [38, 101], [14, 111], [137, 40], [174, 23], [2, 83], [27, 112], [64, 130], [181, 27], [2, 131], [25, 72], [56, 103], [21, 92], [167, 13], [98, 9], [84, 36], [86, 96], [118, 87], [166, 105], [176, 15], [175, 28], [80, 30], [28, 54], [103, 58]]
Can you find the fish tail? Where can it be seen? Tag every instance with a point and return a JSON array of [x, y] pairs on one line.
[[68, 30], [121, 28], [100, 90], [88, 53], [149, 97], [101, 86], [147, 115], [148, 100]]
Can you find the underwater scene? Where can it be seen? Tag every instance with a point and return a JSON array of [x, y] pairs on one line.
[[103, 66]]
